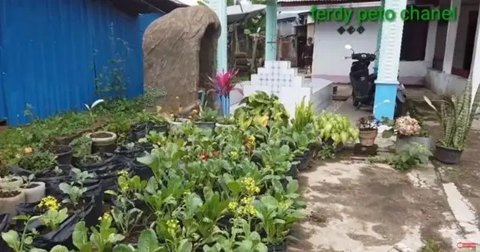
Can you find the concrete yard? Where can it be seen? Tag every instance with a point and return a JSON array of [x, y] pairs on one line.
[[354, 205]]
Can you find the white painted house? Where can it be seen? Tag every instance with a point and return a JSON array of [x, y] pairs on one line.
[[437, 54]]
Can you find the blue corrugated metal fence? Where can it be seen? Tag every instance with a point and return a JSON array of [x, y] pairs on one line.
[[53, 53]]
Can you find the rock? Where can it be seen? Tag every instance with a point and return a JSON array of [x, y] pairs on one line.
[[179, 53]]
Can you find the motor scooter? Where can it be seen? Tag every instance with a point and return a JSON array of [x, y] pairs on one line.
[[363, 82]]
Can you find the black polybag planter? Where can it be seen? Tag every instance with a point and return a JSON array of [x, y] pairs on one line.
[[142, 170], [225, 223], [52, 181], [94, 192], [28, 209], [277, 248], [90, 213], [159, 128], [138, 131], [108, 174], [141, 130], [4, 226], [64, 154], [304, 160], [106, 159], [61, 236], [18, 171], [293, 171], [130, 153]]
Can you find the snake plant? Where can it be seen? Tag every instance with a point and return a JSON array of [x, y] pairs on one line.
[[456, 114]]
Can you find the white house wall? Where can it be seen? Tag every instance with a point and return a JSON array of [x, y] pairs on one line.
[[329, 53]]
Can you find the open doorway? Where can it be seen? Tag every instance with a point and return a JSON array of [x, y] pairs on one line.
[[469, 44], [301, 42]]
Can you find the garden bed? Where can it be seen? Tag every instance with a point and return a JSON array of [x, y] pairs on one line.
[[188, 189]]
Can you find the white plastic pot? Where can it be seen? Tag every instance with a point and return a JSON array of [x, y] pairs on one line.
[[8, 205], [34, 194], [11, 183]]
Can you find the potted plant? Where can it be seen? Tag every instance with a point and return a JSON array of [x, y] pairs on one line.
[[408, 130], [335, 130], [456, 115], [149, 122], [207, 119], [34, 191], [368, 128], [64, 154], [6, 179], [223, 85], [276, 220], [9, 199], [102, 141], [38, 160]]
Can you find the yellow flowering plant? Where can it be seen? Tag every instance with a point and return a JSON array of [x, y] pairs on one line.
[[48, 203]]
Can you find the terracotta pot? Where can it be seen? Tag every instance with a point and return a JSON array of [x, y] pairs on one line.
[[8, 205], [103, 141], [367, 137], [34, 194], [11, 183], [447, 155]]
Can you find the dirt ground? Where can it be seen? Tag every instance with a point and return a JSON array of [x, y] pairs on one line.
[[357, 206], [466, 174], [353, 205]]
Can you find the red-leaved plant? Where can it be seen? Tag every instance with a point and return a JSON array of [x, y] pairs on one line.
[[223, 82]]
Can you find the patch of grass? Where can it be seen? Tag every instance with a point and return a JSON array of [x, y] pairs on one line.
[[431, 246]]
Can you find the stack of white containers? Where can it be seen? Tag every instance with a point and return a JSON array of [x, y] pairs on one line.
[[280, 79]]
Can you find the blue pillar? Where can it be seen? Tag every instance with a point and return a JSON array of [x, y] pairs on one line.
[[385, 97], [389, 61], [220, 8], [271, 31], [379, 38]]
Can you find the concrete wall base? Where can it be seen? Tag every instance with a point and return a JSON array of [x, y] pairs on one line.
[[444, 84]]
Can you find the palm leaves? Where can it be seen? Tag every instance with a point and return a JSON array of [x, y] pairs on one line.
[[456, 115]]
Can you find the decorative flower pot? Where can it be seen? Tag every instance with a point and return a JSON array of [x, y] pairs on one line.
[[447, 155], [10, 200], [403, 141], [103, 141], [367, 137], [35, 192], [64, 154], [11, 183]]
